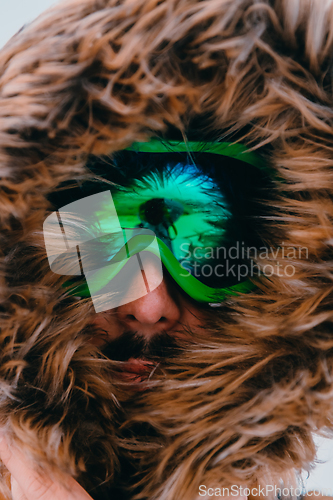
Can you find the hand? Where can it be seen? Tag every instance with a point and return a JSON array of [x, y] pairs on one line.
[[28, 484]]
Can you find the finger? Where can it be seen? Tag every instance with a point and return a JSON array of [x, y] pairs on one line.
[[17, 493], [34, 485]]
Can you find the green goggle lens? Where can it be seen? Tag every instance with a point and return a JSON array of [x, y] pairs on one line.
[[185, 201]]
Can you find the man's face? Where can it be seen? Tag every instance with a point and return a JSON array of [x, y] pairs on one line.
[[148, 326], [165, 209]]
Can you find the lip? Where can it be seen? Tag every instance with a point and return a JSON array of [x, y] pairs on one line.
[[136, 370]]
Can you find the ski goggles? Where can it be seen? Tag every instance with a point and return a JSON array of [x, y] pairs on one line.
[[186, 206]]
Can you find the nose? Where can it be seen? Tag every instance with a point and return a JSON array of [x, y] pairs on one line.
[[153, 313]]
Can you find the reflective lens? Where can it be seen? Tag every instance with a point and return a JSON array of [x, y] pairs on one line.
[[186, 209], [197, 206]]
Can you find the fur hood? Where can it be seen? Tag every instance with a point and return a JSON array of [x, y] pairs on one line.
[[88, 78]]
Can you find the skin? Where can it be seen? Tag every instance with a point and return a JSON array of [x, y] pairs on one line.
[[165, 309]]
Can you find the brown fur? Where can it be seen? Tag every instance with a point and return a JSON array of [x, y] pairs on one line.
[[90, 77]]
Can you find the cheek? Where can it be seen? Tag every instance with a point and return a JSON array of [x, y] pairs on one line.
[[107, 328], [98, 341], [192, 316]]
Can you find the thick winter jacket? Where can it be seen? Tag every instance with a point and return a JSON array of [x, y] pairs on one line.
[[239, 407]]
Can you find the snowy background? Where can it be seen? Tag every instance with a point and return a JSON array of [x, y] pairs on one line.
[[13, 15]]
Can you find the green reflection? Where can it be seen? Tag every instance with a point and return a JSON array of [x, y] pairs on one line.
[[184, 207]]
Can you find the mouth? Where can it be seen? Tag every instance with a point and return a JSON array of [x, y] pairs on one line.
[[137, 370]]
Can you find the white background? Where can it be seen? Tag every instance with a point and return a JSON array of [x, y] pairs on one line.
[[13, 15]]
